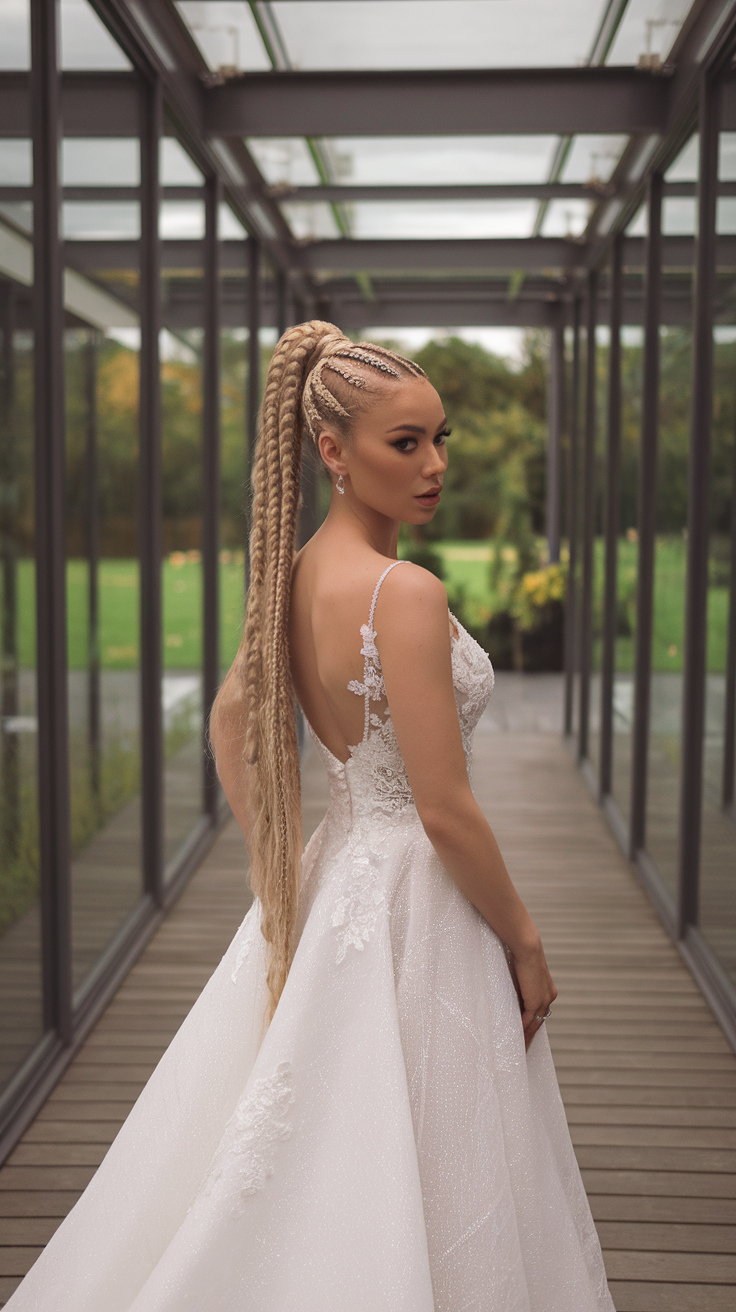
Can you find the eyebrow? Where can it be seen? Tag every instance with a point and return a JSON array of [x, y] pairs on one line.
[[415, 428]]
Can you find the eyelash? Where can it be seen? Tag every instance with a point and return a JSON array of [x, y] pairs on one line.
[[444, 434]]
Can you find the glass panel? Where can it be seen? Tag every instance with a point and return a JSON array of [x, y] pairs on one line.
[[21, 979], [647, 31], [375, 161], [181, 382], [103, 609], [100, 162], [21, 1015], [718, 834], [419, 219], [85, 41], [632, 342], [668, 621], [233, 491], [439, 34], [15, 47]]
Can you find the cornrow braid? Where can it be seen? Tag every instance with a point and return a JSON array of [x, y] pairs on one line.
[[307, 389]]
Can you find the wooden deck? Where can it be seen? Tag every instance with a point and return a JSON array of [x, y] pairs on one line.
[[648, 1080]]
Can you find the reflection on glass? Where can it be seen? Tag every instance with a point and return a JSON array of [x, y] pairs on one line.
[[103, 625], [668, 622], [628, 562], [718, 833], [20, 936], [233, 525], [181, 693]]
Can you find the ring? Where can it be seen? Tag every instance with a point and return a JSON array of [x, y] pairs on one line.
[[546, 1014]]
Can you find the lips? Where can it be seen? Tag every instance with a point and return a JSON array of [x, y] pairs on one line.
[[430, 498]]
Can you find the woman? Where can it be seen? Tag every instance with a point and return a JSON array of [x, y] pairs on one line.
[[360, 1114]]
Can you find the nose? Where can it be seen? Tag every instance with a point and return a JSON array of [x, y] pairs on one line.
[[436, 462]]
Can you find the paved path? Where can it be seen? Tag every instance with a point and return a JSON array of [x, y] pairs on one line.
[[648, 1080]]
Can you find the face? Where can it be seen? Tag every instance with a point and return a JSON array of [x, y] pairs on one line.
[[396, 458]]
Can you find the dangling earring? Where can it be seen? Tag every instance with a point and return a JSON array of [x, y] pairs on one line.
[[340, 485]]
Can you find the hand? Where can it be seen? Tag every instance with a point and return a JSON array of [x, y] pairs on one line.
[[535, 988]]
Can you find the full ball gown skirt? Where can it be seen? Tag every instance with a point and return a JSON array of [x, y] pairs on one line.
[[389, 1145]]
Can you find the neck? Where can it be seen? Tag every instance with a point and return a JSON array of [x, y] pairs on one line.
[[348, 516]]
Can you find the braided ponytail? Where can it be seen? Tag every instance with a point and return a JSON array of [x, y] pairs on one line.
[[257, 702]]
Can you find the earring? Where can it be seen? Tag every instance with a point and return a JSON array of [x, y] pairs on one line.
[[340, 485]]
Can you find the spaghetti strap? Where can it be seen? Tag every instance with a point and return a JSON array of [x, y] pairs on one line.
[[372, 686]]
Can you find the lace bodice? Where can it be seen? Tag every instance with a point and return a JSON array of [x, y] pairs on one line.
[[375, 772]]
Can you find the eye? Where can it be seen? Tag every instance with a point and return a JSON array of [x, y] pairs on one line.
[[440, 438], [405, 444]]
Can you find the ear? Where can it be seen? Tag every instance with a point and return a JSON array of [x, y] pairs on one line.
[[332, 450]]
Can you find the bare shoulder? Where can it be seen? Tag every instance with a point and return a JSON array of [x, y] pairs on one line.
[[413, 602]]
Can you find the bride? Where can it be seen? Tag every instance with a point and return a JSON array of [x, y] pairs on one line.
[[360, 1113]]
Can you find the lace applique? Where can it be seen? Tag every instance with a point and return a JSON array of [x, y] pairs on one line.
[[381, 798], [356, 912], [473, 679], [249, 929], [250, 1142]]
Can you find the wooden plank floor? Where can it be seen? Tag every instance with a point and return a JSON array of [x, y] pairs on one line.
[[648, 1080]]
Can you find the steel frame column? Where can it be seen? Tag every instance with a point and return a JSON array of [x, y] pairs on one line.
[[696, 597], [571, 643], [589, 516], [282, 302], [254, 344], [53, 728], [613, 492], [647, 518], [211, 429], [556, 403], [150, 424], [253, 262]]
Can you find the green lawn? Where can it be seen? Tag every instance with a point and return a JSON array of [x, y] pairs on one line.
[[119, 619], [467, 568]]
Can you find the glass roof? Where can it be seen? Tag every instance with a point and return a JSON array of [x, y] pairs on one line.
[[410, 161], [15, 47], [648, 27], [16, 162], [421, 219], [85, 41], [353, 34]]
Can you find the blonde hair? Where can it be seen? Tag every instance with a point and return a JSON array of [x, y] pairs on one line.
[[257, 700]]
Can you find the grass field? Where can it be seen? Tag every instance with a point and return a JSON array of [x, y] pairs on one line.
[[466, 565]]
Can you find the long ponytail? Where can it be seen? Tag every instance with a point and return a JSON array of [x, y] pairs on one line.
[[257, 701]]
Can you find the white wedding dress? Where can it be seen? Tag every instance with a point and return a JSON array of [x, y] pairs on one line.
[[389, 1146]]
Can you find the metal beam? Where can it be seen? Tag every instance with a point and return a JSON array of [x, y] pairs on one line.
[[555, 422], [573, 513], [50, 527], [613, 515], [550, 255], [346, 193], [443, 102], [589, 516]]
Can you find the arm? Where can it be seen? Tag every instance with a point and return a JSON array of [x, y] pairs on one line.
[[414, 642]]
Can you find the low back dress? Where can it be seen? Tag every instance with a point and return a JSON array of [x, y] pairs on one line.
[[389, 1145]]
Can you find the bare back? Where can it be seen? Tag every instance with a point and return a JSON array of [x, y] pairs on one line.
[[330, 600]]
